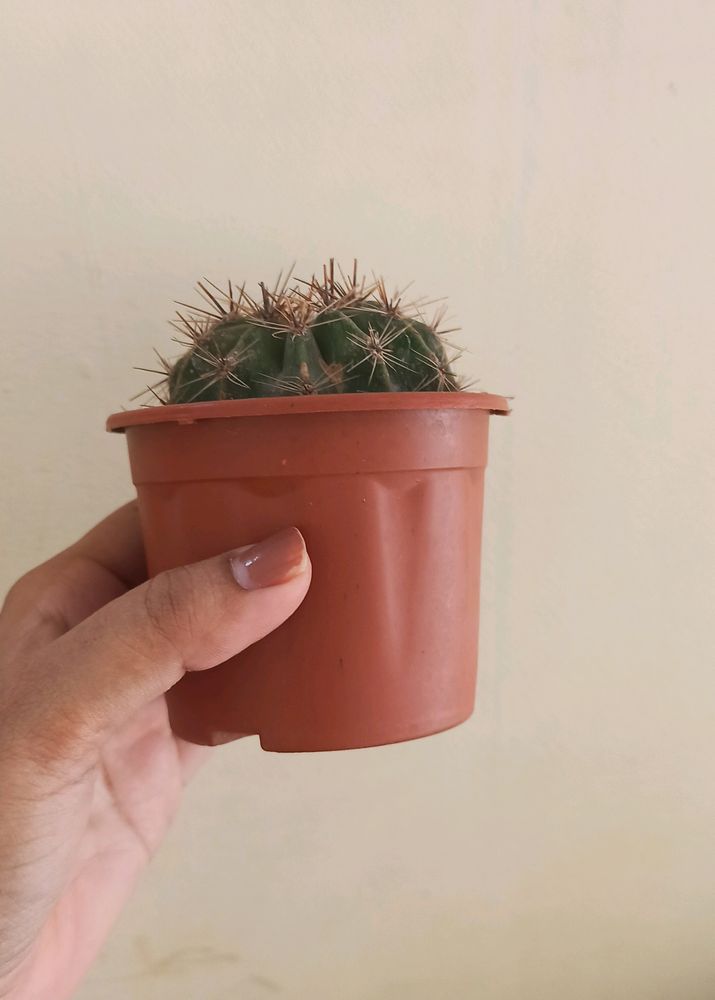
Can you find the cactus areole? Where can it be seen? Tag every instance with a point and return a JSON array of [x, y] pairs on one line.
[[334, 407]]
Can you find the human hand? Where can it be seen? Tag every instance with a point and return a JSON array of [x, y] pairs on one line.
[[90, 773]]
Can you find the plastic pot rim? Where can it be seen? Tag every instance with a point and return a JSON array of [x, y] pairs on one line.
[[189, 413]]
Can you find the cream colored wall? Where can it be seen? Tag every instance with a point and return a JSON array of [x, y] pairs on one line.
[[548, 167]]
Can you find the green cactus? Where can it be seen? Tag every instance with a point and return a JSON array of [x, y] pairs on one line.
[[329, 336]]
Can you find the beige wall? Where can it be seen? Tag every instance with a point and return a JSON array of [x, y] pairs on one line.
[[550, 168]]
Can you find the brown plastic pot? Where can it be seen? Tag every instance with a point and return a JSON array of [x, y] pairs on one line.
[[387, 489]]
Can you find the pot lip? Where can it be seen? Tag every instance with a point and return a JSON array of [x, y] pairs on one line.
[[355, 402]]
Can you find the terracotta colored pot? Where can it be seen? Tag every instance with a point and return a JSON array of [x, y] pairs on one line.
[[387, 489]]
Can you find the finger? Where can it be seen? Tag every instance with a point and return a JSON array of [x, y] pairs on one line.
[[59, 593], [191, 618], [116, 544]]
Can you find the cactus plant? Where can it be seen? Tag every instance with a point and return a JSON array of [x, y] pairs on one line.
[[329, 335]]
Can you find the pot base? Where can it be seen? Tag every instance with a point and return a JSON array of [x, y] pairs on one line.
[[413, 733]]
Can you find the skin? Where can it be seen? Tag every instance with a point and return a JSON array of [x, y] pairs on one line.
[[90, 773]]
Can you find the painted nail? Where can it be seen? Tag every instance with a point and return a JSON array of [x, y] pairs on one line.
[[272, 561]]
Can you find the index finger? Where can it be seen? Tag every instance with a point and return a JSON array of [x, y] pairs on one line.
[[70, 586], [116, 545]]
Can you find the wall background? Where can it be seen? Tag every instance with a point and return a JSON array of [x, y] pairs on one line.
[[548, 166]]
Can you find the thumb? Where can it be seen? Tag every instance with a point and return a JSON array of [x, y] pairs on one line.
[[191, 618]]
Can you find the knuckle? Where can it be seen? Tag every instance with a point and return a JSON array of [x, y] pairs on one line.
[[171, 603], [32, 600], [22, 589]]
